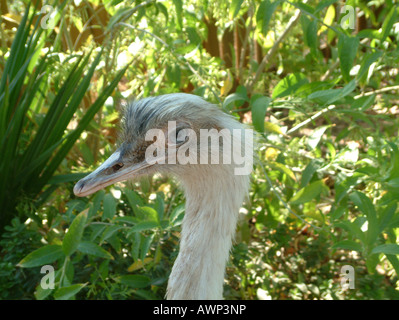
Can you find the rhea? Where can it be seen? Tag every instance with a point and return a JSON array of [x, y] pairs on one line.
[[214, 192]]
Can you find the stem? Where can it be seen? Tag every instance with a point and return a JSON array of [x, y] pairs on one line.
[[315, 116], [180, 57], [250, 84], [244, 45], [365, 94]]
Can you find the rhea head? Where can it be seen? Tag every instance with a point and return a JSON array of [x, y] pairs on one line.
[[188, 113]]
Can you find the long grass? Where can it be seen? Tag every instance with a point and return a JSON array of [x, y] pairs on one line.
[[31, 150]]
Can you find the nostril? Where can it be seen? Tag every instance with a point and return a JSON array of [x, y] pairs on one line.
[[117, 166]]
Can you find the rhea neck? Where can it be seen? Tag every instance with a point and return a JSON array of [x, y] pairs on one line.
[[213, 198]]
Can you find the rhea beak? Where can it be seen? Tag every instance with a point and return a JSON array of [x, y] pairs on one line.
[[111, 171]]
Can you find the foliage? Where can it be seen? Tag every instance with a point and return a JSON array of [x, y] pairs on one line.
[[318, 87], [17, 241], [32, 138]]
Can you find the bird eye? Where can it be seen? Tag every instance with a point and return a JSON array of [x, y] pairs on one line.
[[179, 138], [117, 166]]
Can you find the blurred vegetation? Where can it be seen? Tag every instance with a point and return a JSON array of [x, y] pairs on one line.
[[317, 79]]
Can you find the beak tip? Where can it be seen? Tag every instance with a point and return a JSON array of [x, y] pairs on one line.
[[77, 189]]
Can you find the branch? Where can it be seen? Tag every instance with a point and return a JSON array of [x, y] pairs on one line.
[[331, 107], [315, 116], [365, 94], [244, 46], [249, 85], [181, 57]]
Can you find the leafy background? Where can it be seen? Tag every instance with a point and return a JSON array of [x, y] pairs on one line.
[[319, 82]]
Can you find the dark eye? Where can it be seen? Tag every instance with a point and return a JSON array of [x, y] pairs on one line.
[[117, 166], [178, 139]]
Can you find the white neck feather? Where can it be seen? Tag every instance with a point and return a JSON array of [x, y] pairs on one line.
[[213, 198]]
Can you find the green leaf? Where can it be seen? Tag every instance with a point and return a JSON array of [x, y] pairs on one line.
[[394, 261], [273, 127], [133, 198], [347, 245], [176, 217], [74, 235], [316, 136], [232, 100], [369, 33], [145, 246], [323, 4], [40, 293], [363, 103], [368, 60], [347, 49], [259, 107], [338, 213], [289, 85], [366, 206], [235, 8], [390, 19], [308, 193], [96, 203], [67, 293], [63, 178], [264, 14], [389, 248], [236, 99], [93, 249], [109, 205], [393, 183], [386, 215], [329, 96], [308, 173], [109, 232], [42, 256], [135, 281], [148, 213], [311, 37], [284, 169], [143, 226], [179, 12]]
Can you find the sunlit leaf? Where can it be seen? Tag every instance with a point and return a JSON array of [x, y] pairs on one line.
[[264, 14], [75, 232], [283, 168], [347, 49], [289, 85], [67, 293], [235, 7], [179, 12], [328, 19], [44, 255], [316, 136], [137, 265], [308, 193], [259, 107], [273, 127]]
